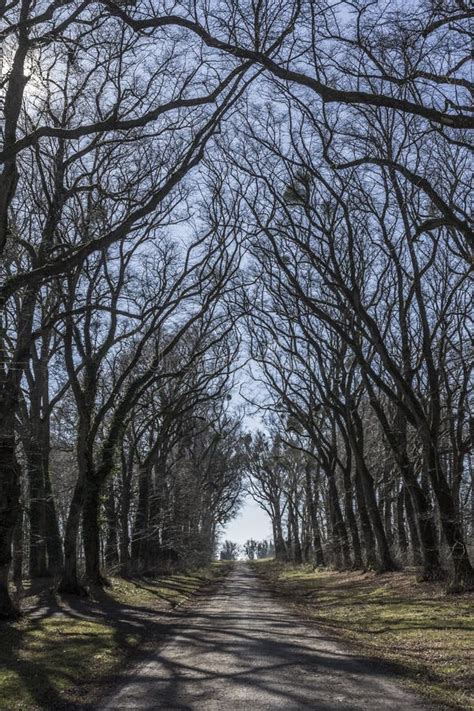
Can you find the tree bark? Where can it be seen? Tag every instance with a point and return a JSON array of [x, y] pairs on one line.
[[417, 498], [91, 528], [342, 557], [313, 518], [140, 524], [356, 437], [366, 526], [111, 551], [9, 507], [386, 562], [414, 535], [401, 533], [125, 501], [293, 523], [38, 565], [54, 547], [18, 551], [463, 573], [350, 516], [70, 579], [280, 547]]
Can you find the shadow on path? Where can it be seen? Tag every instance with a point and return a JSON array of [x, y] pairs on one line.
[[240, 649]]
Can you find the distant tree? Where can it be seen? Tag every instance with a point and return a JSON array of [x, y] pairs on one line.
[[265, 549], [258, 549], [251, 548], [229, 551]]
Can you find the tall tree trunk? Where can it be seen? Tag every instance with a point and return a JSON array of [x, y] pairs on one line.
[[396, 434], [366, 526], [425, 537], [9, 507], [10, 472], [38, 565], [91, 527], [140, 524], [313, 517], [350, 516], [125, 501], [289, 539], [37, 447], [356, 435], [413, 528], [280, 547], [401, 533], [95, 481], [293, 524], [306, 536], [387, 511], [70, 579], [339, 532], [18, 551], [463, 573], [54, 546], [45, 549], [111, 551], [386, 562]]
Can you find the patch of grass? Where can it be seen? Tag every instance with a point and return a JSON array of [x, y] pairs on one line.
[[62, 650], [391, 617], [171, 589], [41, 660]]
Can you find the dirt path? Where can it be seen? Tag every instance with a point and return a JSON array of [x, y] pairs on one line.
[[239, 649]]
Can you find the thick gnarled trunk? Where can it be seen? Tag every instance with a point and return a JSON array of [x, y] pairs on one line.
[[463, 572], [9, 510]]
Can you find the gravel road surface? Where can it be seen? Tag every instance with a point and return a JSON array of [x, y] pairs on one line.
[[239, 649]]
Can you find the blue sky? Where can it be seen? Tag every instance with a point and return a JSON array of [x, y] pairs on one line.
[[251, 522]]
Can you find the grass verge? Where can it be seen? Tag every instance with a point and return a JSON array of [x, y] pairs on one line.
[[427, 634], [62, 653]]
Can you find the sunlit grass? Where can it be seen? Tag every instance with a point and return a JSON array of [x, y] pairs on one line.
[[41, 660], [53, 658], [173, 589], [392, 617]]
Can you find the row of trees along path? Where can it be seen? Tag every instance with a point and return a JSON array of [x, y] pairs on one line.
[[273, 188]]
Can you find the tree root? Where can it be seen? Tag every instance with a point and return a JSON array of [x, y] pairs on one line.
[[72, 588], [461, 583], [8, 610], [432, 574]]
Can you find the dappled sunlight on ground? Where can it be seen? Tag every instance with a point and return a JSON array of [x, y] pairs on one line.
[[391, 616]]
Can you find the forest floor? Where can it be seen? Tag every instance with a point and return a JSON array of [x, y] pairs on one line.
[[391, 617], [64, 652]]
